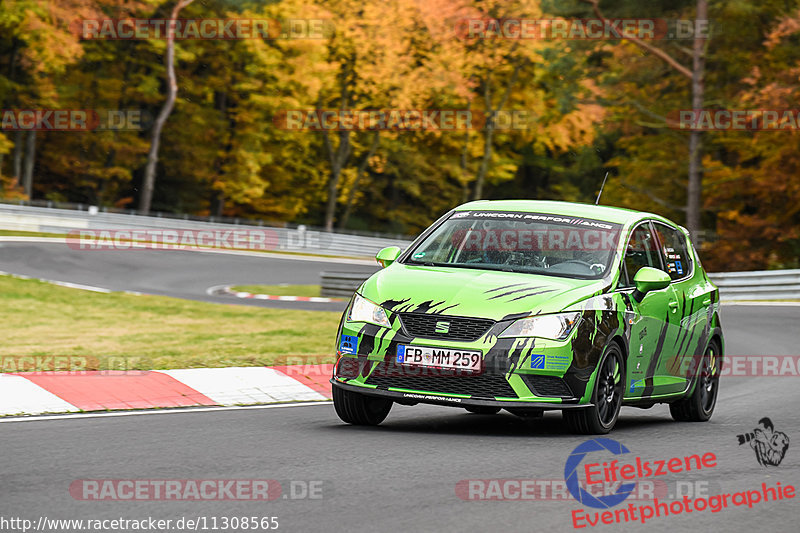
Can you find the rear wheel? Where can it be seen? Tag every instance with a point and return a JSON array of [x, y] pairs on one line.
[[359, 409], [700, 405], [483, 410], [602, 416]]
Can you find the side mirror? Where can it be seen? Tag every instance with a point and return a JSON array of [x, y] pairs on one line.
[[649, 279], [387, 256]]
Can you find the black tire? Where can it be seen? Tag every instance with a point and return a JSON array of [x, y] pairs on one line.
[[699, 406], [359, 409], [602, 416], [483, 410]]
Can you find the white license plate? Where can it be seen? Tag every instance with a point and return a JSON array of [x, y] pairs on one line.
[[439, 357]]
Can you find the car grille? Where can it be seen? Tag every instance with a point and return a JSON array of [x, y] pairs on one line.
[[388, 375], [547, 386], [459, 328]]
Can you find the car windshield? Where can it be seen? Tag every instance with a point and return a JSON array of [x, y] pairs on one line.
[[535, 243]]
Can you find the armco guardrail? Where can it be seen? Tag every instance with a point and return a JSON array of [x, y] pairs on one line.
[[297, 239], [758, 285], [340, 283]]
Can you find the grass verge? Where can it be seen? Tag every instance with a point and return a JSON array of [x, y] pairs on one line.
[[154, 332], [279, 290]]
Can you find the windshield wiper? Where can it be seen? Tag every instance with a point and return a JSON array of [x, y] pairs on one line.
[[484, 266], [498, 268], [427, 263]]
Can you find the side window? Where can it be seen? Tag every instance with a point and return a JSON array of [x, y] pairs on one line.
[[640, 252], [674, 250]]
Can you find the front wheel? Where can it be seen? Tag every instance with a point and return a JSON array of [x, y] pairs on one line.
[[700, 405], [359, 409], [602, 416]]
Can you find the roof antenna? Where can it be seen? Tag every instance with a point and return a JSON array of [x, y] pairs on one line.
[[596, 202]]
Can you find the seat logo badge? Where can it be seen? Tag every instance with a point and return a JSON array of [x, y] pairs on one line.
[[442, 327]]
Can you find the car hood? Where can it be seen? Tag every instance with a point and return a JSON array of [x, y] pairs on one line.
[[473, 292]]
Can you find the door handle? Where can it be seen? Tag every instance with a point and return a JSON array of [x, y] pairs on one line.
[[707, 301], [674, 305]]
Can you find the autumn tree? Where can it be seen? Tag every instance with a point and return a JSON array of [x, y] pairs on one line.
[[172, 92]]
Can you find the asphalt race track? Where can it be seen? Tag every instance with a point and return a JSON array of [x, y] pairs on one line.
[[181, 274], [402, 475]]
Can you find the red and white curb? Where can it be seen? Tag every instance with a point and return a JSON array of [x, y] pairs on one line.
[[226, 290], [35, 393]]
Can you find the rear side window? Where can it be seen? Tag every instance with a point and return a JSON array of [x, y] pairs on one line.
[[641, 251], [676, 255]]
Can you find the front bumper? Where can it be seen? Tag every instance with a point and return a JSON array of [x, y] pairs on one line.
[[524, 371], [492, 386], [413, 398]]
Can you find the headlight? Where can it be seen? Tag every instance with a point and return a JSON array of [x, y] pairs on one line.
[[556, 327], [365, 311]]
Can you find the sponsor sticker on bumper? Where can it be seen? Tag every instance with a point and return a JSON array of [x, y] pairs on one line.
[[550, 362]]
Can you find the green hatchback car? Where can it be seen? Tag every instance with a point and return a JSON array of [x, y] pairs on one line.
[[530, 306]]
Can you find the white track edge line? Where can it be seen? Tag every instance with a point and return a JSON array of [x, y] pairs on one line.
[[165, 411], [67, 284], [761, 303]]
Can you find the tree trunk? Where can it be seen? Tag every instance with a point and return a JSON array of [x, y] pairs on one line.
[[17, 170], [487, 155], [338, 159], [463, 167], [490, 127], [30, 157], [172, 91], [694, 192], [362, 168], [694, 189], [217, 204], [487, 139]]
